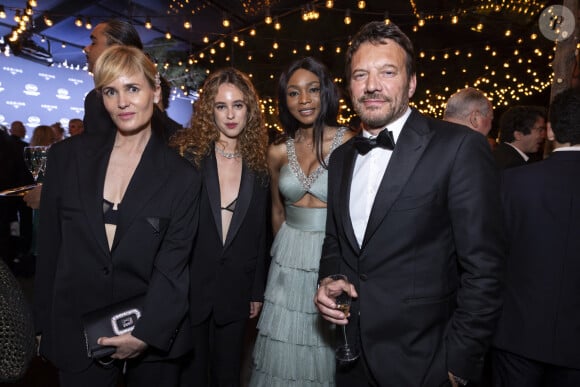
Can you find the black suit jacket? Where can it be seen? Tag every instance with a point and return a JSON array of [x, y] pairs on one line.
[[428, 272], [226, 277], [98, 120], [77, 273], [507, 157], [541, 315]]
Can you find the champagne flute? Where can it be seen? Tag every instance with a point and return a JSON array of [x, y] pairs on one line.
[[345, 352], [35, 159]]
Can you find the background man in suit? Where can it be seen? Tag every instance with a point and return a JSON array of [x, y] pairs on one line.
[[470, 107], [536, 343], [522, 130], [415, 230]]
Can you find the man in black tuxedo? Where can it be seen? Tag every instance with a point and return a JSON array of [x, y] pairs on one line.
[[415, 230], [104, 35], [522, 130], [536, 343]]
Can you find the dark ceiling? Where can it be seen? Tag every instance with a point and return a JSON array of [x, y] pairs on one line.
[[451, 56]]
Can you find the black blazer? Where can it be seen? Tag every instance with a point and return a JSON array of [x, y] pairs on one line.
[[428, 273], [540, 319], [225, 278], [507, 157], [76, 273]]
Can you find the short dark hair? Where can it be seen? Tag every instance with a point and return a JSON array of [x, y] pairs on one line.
[[329, 97], [376, 33], [123, 33], [565, 116], [519, 118], [165, 92]]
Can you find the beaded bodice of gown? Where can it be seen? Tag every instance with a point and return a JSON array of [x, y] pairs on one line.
[[293, 182]]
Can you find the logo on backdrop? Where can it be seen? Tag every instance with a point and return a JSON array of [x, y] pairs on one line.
[[31, 89], [49, 107], [62, 93], [77, 110], [1, 88], [16, 104], [76, 81], [3, 120], [33, 121], [46, 76], [12, 70]]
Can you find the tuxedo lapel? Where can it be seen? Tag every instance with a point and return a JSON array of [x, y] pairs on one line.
[[92, 166], [148, 178], [242, 204], [350, 155], [212, 186], [411, 144]]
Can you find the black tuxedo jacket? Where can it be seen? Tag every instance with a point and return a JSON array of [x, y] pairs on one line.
[[507, 157], [226, 277], [541, 315], [428, 272], [77, 273]]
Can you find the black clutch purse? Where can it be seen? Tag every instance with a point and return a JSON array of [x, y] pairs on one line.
[[112, 320]]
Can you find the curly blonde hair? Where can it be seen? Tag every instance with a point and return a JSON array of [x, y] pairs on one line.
[[198, 140]]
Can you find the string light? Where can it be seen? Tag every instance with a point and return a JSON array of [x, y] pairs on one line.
[[329, 4], [79, 21], [226, 21], [268, 17], [2, 12], [361, 4], [347, 18], [88, 24]]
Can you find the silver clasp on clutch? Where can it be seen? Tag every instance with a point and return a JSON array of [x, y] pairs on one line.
[[125, 322]]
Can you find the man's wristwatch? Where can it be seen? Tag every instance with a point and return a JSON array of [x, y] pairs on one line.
[[460, 381]]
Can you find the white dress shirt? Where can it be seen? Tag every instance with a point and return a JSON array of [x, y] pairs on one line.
[[366, 179]]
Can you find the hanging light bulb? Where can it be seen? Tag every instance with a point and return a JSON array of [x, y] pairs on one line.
[[78, 21], [386, 18], [205, 39], [17, 16], [253, 32], [47, 21], [33, 3], [329, 4], [222, 44], [226, 21], [148, 24], [28, 10], [454, 19], [347, 18], [63, 44], [88, 24], [2, 12], [168, 35], [277, 25], [361, 4], [187, 24], [268, 18]]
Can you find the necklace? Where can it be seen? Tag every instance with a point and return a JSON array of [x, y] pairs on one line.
[[228, 155]]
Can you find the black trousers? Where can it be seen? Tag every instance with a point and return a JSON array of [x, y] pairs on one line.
[[135, 373], [511, 370], [217, 355]]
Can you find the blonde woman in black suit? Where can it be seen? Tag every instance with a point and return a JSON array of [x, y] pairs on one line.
[[118, 220]]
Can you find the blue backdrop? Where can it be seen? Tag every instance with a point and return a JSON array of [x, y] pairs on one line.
[[39, 95]]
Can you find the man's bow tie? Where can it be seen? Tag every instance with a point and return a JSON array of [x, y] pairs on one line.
[[384, 140]]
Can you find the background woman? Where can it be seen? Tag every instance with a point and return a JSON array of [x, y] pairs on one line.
[[43, 135], [294, 346], [118, 221], [227, 142]]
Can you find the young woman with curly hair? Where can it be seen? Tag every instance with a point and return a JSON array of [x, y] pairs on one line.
[[227, 143]]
